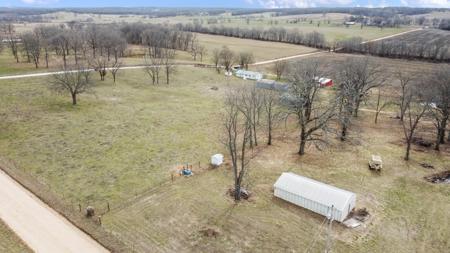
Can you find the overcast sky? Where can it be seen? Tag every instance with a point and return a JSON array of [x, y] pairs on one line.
[[224, 3]]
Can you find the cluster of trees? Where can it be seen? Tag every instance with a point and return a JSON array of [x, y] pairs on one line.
[[320, 113], [158, 36], [437, 49], [276, 34], [79, 42], [248, 110], [227, 58]]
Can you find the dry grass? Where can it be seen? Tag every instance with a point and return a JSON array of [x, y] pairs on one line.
[[169, 218], [121, 144], [262, 50], [10, 242]]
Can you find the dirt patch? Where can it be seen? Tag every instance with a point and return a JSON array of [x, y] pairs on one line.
[[441, 177], [427, 166], [360, 214], [209, 232]]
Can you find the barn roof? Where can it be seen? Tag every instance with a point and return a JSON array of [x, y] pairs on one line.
[[311, 189]]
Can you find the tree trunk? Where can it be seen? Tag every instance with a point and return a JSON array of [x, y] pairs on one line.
[[442, 130], [76, 58], [237, 192], [356, 110], [46, 58], [376, 117], [74, 98], [64, 60], [167, 75], [301, 150], [344, 132], [408, 148], [438, 141]]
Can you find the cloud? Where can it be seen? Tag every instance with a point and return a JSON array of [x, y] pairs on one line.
[[39, 1], [369, 3], [300, 3], [426, 3]]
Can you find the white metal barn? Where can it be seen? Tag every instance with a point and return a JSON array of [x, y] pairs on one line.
[[315, 196]]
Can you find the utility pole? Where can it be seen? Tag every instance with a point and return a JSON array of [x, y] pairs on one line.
[[329, 241]]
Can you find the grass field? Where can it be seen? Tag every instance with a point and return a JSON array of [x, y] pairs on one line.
[[262, 50], [122, 142], [127, 137], [407, 213], [332, 60], [9, 242], [331, 24]]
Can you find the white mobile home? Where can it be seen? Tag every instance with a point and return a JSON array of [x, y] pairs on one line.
[[315, 196], [249, 75]]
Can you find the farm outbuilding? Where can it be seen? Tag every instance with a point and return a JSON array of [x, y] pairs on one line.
[[316, 196], [272, 85], [251, 75]]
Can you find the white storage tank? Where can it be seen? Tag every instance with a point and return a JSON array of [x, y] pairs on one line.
[[315, 196]]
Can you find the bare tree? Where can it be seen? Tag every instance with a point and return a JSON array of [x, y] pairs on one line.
[[27, 40], [227, 58], [216, 59], [100, 64], [237, 138], [440, 89], [32, 44], [152, 67], [61, 43], [115, 67], [168, 62], [414, 112], [92, 38], [382, 102], [250, 104], [12, 40], [304, 101], [76, 43], [73, 80], [46, 35], [280, 68], [273, 111], [246, 58], [202, 51], [406, 79], [366, 76]]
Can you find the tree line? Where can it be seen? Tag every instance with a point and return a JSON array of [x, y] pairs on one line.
[[275, 34], [437, 49]]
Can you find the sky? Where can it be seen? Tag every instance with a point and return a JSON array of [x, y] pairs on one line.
[[224, 3]]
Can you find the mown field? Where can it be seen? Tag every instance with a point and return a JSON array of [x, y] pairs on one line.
[[408, 214], [122, 143], [331, 24], [119, 141], [10, 242]]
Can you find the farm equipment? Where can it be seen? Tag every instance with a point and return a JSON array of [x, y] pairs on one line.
[[376, 163]]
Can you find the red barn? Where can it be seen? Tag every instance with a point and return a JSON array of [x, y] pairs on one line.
[[325, 82]]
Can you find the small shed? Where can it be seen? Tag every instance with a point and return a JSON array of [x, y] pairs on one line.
[[251, 75], [217, 159], [316, 196]]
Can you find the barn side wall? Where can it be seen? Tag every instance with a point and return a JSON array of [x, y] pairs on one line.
[[309, 204]]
